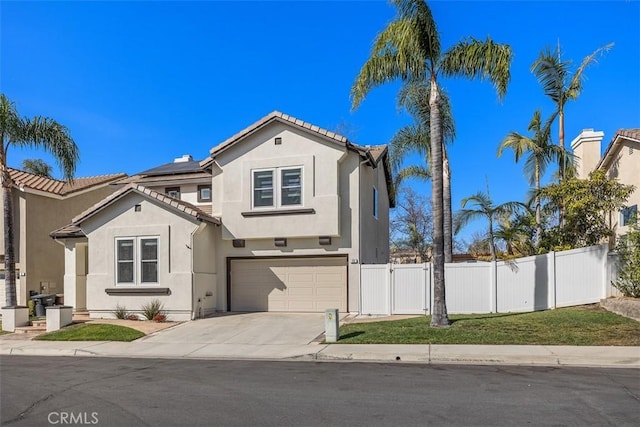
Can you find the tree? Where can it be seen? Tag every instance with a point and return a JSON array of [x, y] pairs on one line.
[[37, 167], [24, 132], [485, 208], [409, 49], [560, 85], [628, 248], [411, 225], [588, 204], [414, 97], [541, 153]]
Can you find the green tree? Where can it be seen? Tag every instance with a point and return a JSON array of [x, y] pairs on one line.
[[541, 152], [415, 138], [23, 132], [561, 85], [628, 248], [411, 225], [486, 208], [409, 49], [588, 206], [37, 167]]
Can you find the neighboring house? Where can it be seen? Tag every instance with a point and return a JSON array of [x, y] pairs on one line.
[[621, 160], [40, 205], [294, 210]]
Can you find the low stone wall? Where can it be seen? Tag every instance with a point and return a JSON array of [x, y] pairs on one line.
[[628, 307]]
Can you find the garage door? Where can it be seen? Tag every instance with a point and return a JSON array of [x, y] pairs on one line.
[[289, 284]]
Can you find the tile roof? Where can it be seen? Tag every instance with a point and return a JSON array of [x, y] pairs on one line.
[[57, 187], [278, 116], [68, 231], [628, 134], [175, 204]]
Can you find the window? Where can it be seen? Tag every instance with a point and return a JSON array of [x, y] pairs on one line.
[[278, 187], [172, 192], [628, 214], [204, 193], [137, 260], [291, 187], [375, 202]]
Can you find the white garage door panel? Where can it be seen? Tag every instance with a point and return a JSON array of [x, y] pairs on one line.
[[289, 284]]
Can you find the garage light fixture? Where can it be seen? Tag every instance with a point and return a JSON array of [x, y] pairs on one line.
[[324, 240], [238, 243], [280, 241]]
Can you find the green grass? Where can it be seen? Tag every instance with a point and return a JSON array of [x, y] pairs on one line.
[[586, 325], [92, 332]]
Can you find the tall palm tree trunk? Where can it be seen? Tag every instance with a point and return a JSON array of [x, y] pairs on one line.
[[448, 224], [439, 312], [538, 219], [9, 255]]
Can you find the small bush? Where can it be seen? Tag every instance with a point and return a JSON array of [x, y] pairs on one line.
[[628, 248], [159, 318], [132, 317], [32, 308], [152, 309], [120, 312]]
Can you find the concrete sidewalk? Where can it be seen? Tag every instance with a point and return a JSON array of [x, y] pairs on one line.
[[627, 357]]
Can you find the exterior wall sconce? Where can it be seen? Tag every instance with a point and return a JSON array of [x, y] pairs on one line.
[[238, 243], [280, 241], [278, 140], [324, 240]]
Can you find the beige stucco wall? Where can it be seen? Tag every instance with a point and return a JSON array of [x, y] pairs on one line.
[[232, 184], [188, 192], [332, 186], [205, 269], [39, 257], [175, 255], [626, 169], [374, 232]]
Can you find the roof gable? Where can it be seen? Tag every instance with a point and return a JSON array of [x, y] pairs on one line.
[[177, 205], [632, 135]]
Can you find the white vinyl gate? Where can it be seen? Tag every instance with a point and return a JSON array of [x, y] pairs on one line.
[[557, 279]]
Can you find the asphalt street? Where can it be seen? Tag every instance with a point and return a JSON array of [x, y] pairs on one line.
[[45, 391]]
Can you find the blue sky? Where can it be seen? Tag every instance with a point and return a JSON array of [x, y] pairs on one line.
[[139, 83]]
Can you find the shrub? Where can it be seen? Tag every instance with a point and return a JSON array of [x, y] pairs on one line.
[[159, 318], [132, 317], [628, 248], [32, 308], [120, 312], [152, 309]]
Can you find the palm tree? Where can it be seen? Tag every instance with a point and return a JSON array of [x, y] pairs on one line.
[[24, 132], [559, 84], [414, 97], [409, 49], [37, 167], [541, 153], [485, 208]]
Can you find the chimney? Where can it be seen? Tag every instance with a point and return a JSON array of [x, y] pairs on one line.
[[586, 148], [184, 158]]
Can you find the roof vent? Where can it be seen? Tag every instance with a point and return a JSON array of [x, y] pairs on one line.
[[184, 158]]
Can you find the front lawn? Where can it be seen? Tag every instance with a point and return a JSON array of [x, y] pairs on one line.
[[585, 325], [92, 332]]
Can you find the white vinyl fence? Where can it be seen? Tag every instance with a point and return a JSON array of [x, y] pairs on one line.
[[557, 279]]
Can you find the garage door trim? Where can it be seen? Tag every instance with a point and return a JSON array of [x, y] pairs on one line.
[[230, 259]]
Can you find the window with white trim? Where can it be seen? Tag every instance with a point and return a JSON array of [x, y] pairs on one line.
[[375, 202], [137, 260], [628, 214], [276, 187]]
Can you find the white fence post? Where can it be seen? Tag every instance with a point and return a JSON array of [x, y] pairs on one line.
[[494, 287], [552, 280]]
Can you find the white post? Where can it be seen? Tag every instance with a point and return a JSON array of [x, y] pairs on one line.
[[58, 316], [551, 256], [70, 272], [494, 287]]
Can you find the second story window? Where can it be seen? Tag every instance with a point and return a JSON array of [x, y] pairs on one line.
[[628, 214], [204, 193], [375, 202], [278, 187], [172, 192]]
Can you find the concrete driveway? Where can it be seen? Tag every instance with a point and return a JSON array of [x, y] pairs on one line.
[[245, 329]]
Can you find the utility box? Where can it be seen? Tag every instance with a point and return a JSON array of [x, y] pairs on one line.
[[331, 325]]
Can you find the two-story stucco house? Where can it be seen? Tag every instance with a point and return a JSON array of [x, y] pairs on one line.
[[40, 205], [621, 160], [293, 210]]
